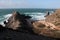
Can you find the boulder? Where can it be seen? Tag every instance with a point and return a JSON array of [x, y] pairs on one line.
[[19, 22]]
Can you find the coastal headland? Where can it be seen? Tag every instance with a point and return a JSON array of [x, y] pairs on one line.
[[20, 27]]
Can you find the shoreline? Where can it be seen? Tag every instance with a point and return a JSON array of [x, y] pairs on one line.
[[18, 22]]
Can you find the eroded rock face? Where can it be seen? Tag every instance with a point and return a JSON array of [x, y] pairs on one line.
[[54, 18], [19, 22], [52, 25], [46, 29]]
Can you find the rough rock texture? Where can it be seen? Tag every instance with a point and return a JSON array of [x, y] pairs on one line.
[[54, 18], [8, 34], [19, 22], [51, 25], [46, 29]]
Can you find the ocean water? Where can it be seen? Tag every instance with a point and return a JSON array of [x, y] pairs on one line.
[[36, 14]]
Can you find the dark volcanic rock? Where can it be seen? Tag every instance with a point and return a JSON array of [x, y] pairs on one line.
[[19, 22], [2, 28], [13, 35], [47, 14], [9, 34]]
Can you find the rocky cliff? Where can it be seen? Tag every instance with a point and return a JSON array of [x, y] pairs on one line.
[[19, 22], [19, 27], [50, 26], [54, 18]]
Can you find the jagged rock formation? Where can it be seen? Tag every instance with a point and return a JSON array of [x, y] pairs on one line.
[[46, 29], [50, 26], [22, 22], [47, 14], [54, 18], [19, 22]]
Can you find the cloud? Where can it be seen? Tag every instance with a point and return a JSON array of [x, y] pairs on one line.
[[19, 4], [29, 3], [11, 4]]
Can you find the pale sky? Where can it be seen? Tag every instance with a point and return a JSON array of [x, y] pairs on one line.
[[29, 3]]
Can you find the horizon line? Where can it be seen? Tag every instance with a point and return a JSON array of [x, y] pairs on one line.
[[29, 8]]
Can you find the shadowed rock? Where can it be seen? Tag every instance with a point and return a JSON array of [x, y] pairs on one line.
[[9, 34], [47, 14], [2, 28], [19, 22], [46, 29]]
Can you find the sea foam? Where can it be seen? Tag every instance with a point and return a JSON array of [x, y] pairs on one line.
[[4, 18], [35, 16]]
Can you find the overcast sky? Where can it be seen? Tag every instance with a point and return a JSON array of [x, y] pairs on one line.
[[29, 3]]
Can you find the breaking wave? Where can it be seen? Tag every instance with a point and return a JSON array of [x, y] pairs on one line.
[[4, 18], [35, 16]]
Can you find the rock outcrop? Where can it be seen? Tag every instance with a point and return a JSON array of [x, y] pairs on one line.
[[47, 14], [50, 26], [46, 29], [54, 18], [19, 22]]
